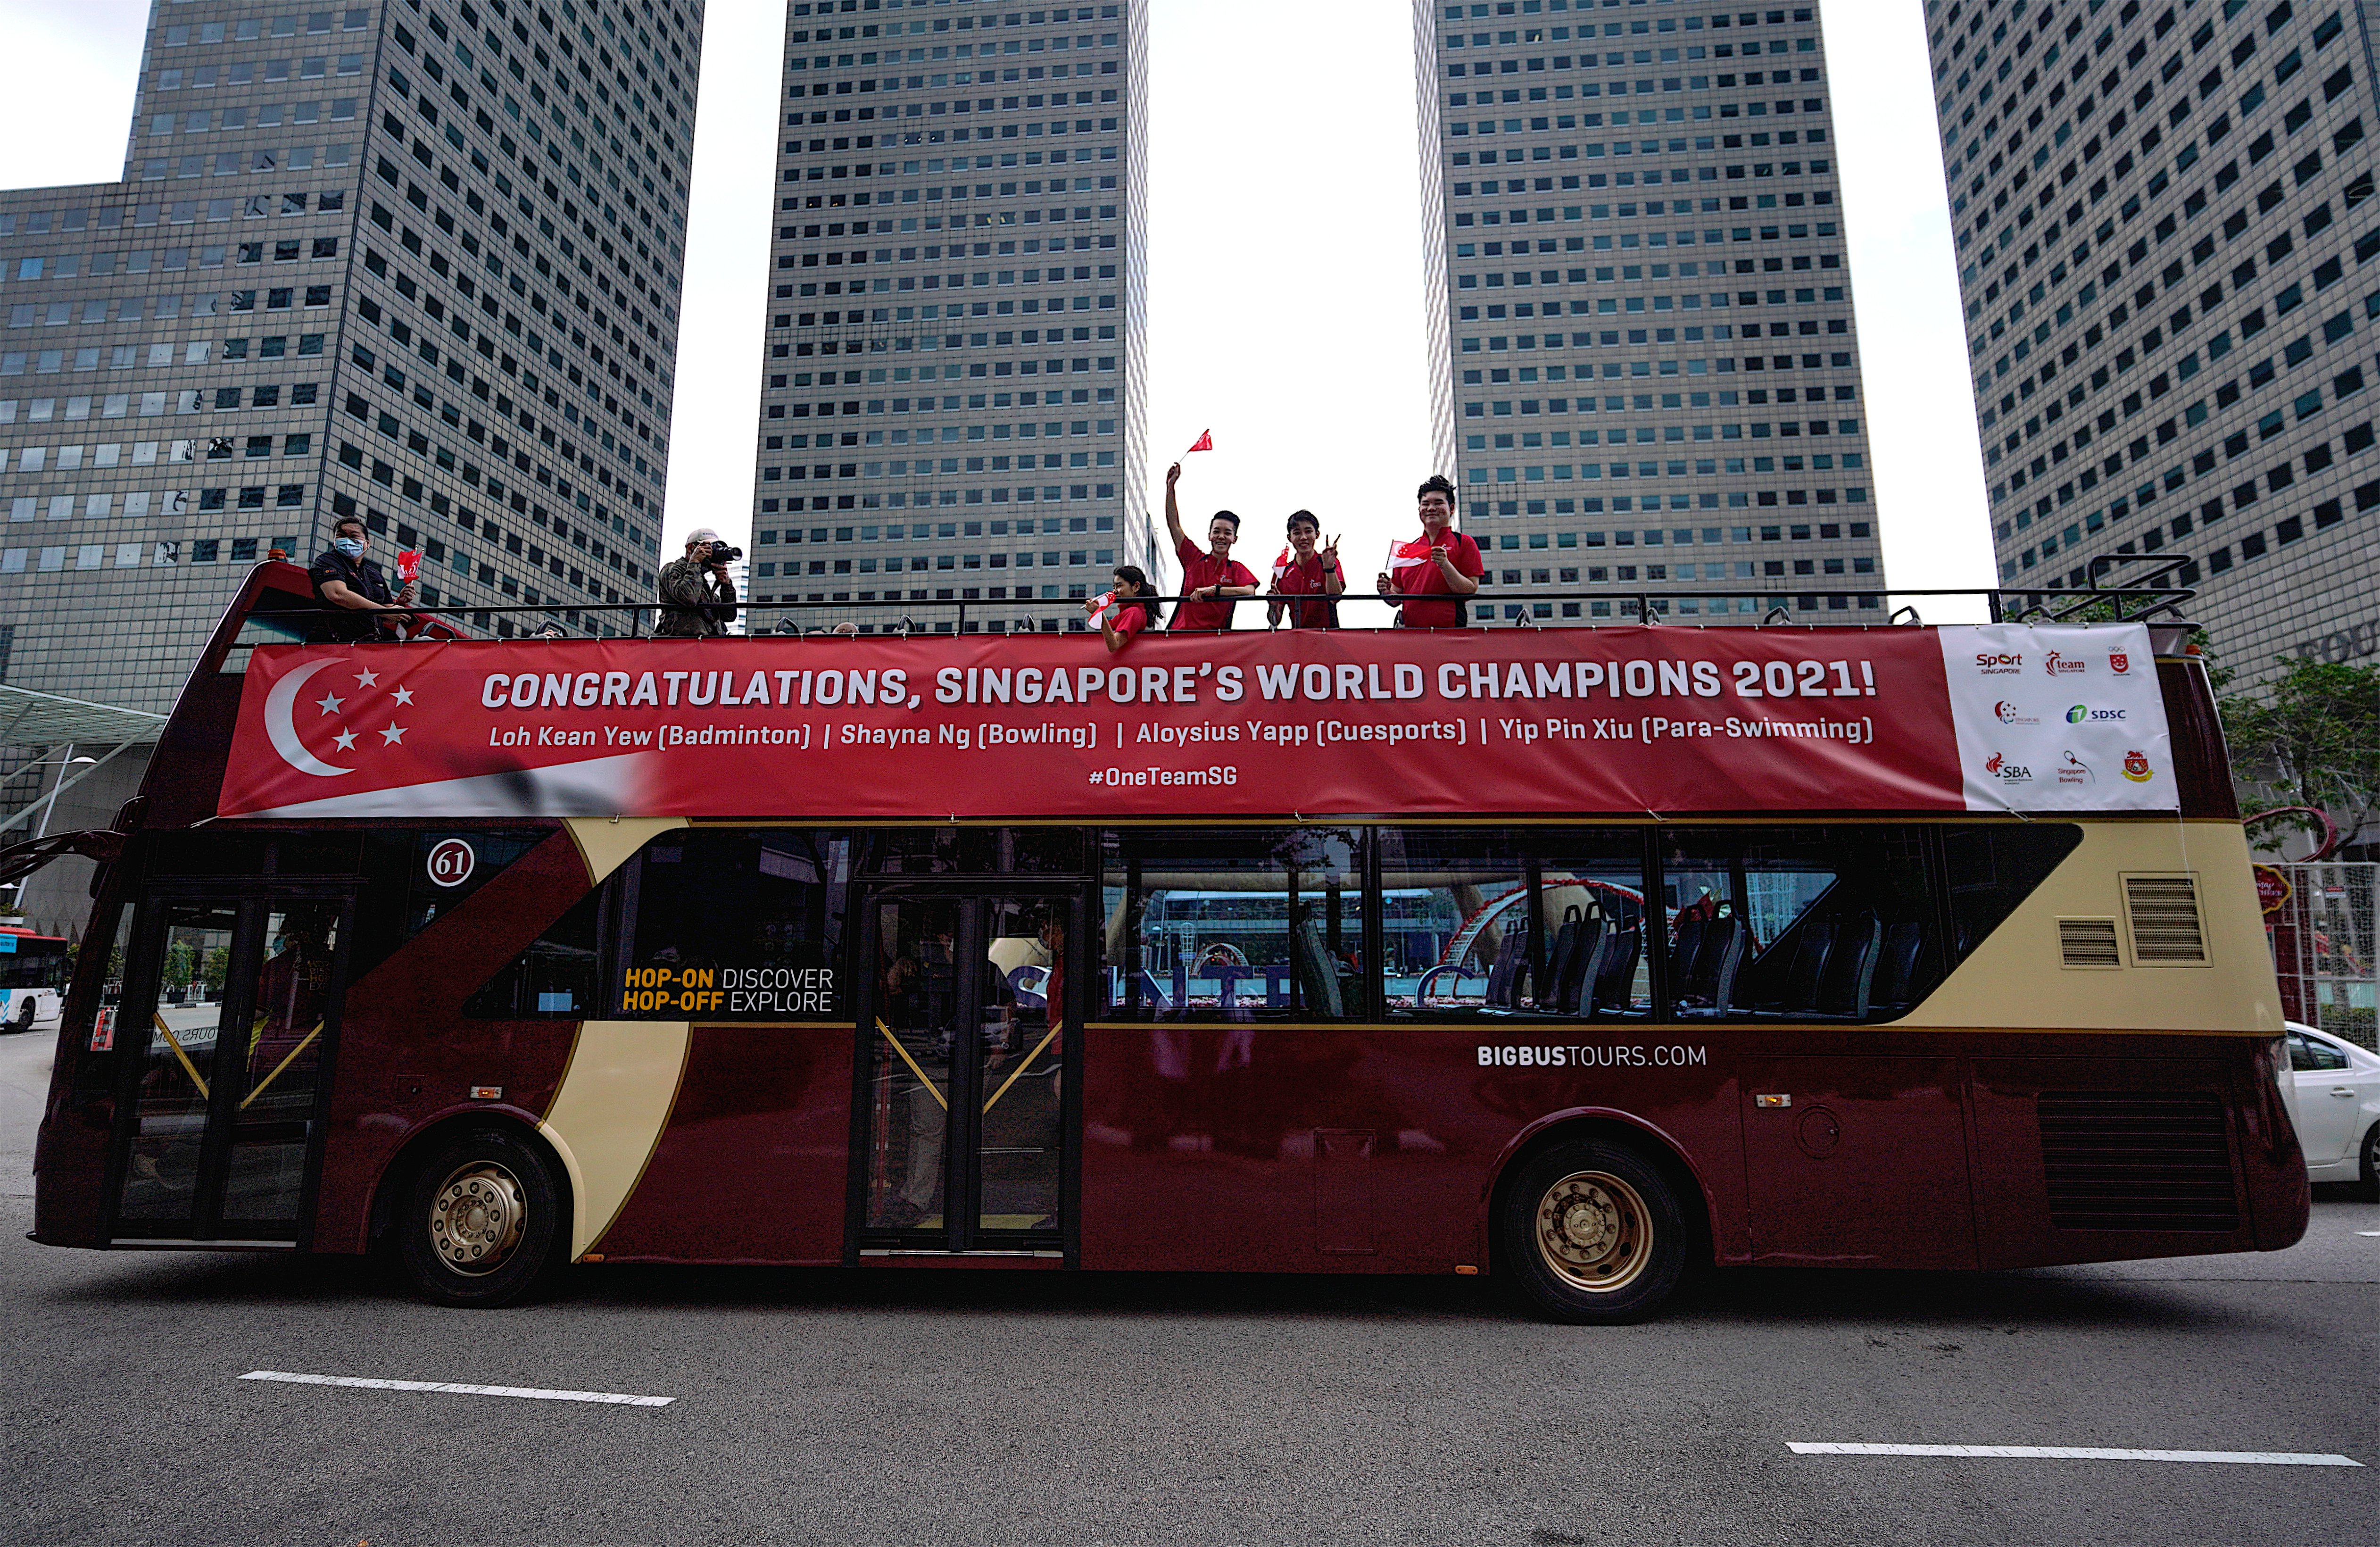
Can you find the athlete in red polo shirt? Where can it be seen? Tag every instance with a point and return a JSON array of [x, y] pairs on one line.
[[1307, 570], [1441, 562], [1125, 610], [1207, 577]]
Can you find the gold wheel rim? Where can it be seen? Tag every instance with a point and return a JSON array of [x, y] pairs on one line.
[[477, 1218], [1594, 1232]]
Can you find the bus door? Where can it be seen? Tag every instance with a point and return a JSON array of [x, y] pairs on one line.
[[964, 1107], [227, 1024]]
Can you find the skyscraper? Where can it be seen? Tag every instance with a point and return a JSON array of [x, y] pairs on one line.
[[1620, 200], [416, 261], [2164, 232], [953, 391], [421, 261]]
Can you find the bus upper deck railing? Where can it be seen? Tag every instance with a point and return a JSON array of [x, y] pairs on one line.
[[844, 616]]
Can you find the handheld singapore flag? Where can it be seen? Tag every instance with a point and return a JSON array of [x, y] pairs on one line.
[[1407, 558], [1206, 442]]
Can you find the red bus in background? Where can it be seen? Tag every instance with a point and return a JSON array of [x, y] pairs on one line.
[[1582, 958]]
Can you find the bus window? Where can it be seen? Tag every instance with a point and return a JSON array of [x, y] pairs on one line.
[[427, 896], [1227, 924], [978, 851], [1503, 922], [558, 977], [92, 1025], [735, 925], [1798, 923], [1992, 868], [169, 1105]]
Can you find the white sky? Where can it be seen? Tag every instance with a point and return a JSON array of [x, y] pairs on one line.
[[1285, 287]]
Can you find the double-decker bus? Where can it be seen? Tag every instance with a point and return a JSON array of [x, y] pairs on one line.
[[1582, 958]]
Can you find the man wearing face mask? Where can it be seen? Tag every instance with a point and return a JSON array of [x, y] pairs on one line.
[[345, 580]]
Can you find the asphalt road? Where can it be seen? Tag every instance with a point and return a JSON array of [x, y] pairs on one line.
[[984, 1409]]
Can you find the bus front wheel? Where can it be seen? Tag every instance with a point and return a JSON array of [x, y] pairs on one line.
[[479, 1220], [1593, 1233]]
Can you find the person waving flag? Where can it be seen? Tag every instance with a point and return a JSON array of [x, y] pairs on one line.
[[1441, 561]]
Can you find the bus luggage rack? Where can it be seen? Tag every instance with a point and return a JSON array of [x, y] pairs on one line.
[[936, 615]]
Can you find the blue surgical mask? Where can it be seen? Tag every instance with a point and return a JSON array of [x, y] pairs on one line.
[[349, 546]]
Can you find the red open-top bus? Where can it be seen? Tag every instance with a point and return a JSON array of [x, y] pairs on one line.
[[1580, 956]]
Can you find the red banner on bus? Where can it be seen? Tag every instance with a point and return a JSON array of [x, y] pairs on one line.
[[1306, 723]]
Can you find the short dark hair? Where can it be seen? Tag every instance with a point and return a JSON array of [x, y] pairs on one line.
[[1436, 483], [345, 521], [1308, 517], [1224, 516]]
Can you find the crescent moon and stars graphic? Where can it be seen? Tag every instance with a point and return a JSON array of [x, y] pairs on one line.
[[280, 716]]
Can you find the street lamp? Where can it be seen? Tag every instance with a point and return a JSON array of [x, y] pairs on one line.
[[62, 764]]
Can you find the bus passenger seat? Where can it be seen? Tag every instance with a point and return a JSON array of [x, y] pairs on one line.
[[1896, 969], [1512, 965], [1851, 971], [1709, 982], [1560, 959], [1317, 974], [1577, 977], [1813, 942], [1615, 975]]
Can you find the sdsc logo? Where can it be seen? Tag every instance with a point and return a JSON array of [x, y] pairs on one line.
[[2082, 713]]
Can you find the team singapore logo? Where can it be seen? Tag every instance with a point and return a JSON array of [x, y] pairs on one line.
[[2000, 662], [1625, 1056], [2057, 664]]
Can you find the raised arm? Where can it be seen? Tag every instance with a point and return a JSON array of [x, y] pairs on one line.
[[1172, 510]]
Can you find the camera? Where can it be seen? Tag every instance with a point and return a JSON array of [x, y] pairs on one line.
[[722, 554]]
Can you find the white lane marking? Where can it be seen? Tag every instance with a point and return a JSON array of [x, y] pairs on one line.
[[2079, 1453], [2368, 1232], [535, 1394]]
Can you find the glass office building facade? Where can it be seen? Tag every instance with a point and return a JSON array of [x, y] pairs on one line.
[[2165, 235], [1644, 360], [418, 262], [954, 380]]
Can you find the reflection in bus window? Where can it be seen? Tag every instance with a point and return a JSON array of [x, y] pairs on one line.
[[273, 1118], [1992, 868], [736, 925], [1798, 923], [169, 1104], [979, 851], [1497, 921], [1234, 924], [95, 1023]]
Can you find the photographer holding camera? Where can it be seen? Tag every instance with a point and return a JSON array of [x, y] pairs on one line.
[[698, 598]]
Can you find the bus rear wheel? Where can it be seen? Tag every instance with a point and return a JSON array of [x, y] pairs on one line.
[[1591, 1231], [477, 1226]]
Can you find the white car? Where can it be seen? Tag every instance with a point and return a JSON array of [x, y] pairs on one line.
[[2335, 1088]]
